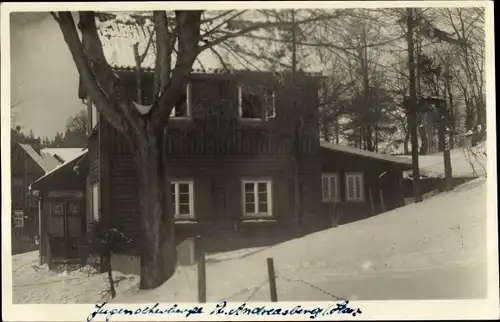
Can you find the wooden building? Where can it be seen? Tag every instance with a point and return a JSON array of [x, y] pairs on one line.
[[232, 152], [357, 184], [236, 144], [28, 164], [61, 194]]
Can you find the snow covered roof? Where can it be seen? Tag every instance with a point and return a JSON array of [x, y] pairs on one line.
[[366, 154], [82, 152], [64, 154], [119, 35], [44, 160]]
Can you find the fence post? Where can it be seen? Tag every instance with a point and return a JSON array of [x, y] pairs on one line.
[[272, 280], [202, 276]]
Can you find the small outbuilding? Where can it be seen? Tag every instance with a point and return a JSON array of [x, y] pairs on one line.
[[61, 194], [357, 184]]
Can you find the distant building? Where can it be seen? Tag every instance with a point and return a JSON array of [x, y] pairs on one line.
[[28, 164]]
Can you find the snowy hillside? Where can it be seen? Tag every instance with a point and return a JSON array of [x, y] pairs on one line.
[[433, 249], [465, 162]]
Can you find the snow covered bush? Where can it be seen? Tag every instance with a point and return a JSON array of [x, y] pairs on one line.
[[475, 153]]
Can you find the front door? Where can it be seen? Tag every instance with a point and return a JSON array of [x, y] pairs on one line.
[[65, 227]]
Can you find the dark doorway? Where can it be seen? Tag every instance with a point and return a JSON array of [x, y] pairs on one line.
[[65, 227]]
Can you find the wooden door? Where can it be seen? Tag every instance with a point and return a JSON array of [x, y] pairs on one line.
[[65, 228]]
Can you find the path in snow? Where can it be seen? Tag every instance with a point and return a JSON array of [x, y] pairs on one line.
[[434, 249]]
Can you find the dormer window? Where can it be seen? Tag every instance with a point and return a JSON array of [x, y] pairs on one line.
[[182, 109], [256, 103]]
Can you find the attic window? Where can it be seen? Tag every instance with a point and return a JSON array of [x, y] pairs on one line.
[[256, 103], [182, 109]]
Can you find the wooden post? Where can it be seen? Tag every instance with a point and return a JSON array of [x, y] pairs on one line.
[[331, 215], [41, 247], [202, 275], [48, 251], [272, 280], [371, 201], [382, 203]]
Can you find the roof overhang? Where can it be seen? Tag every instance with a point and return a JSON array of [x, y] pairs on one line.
[[402, 163], [42, 181]]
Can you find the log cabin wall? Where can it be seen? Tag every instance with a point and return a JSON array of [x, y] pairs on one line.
[[217, 149]]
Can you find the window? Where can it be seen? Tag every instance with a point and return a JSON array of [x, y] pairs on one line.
[[96, 207], [18, 218], [182, 199], [182, 109], [354, 187], [256, 103], [93, 116], [330, 187], [257, 198]]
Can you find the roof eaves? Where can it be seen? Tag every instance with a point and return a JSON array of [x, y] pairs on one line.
[[56, 169], [367, 154]]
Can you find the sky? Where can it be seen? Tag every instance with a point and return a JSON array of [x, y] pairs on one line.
[[44, 79]]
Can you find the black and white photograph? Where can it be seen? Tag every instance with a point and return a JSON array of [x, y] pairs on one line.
[[329, 154]]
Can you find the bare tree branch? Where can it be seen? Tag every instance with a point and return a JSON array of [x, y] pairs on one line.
[[100, 99], [188, 24], [257, 26], [221, 60]]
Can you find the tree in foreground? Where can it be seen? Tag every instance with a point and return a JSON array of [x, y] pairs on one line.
[[179, 37]]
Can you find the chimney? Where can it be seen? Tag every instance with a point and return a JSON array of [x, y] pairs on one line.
[[35, 144]]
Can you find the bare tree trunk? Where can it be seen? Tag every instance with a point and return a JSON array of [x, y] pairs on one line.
[[325, 128], [452, 112], [138, 75], [337, 130], [413, 113], [158, 249], [423, 136], [407, 141]]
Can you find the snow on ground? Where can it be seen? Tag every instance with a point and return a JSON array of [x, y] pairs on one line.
[[36, 284], [430, 250], [465, 162]]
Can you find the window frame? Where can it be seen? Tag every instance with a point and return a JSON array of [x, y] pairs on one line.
[[269, 190], [175, 185], [93, 116], [18, 217], [328, 176], [189, 107], [355, 175], [266, 116]]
